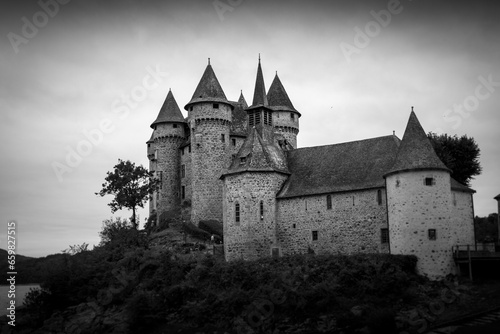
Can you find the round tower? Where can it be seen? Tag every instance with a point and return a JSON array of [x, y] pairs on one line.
[[285, 116], [209, 120], [163, 151], [419, 204]]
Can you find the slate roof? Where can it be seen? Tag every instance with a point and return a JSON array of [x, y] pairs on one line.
[[239, 117], [259, 153], [341, 167], [455, 185], [169, 111], [278, 98], [208, 89], [259, 95], [416, 151]]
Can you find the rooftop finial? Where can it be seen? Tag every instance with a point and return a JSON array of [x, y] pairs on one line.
[[170, 89], [259, 58], [208, 60], [412, 108]]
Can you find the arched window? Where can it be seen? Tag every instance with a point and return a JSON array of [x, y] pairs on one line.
[[237, 213], [328, 202], [261, 210]]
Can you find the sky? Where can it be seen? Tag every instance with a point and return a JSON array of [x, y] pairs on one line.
[[81, 82]]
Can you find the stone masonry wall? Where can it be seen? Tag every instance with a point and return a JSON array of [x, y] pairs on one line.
[[352, 225], [210, 144], [415, 208], [286, 126], [462, 218], [253, 236], [167, 139], [186, 181]]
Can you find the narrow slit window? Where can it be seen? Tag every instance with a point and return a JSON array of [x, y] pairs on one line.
[[183, 192], [384, 235], [261, 210], [237, 213], [379, 197], [314, 235], [328, 202], [234, 142], [223, 138]]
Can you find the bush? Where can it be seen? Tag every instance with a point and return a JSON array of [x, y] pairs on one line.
[[195, 231]]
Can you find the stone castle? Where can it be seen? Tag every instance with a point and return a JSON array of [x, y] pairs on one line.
[[240, 164]]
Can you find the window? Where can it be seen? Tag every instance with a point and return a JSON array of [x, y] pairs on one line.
[[261, 210], [292, 116], [275, 251], [216, 106], [251, 119], [294, 225], [237, 213], [328, 202], [223, 138], [432, 234], [379, 197], [189, 149], [429, 181], [175, 126], [183, 192], [149, 145], [384, 235], [234, 142], [352, 200], [454, 199], [315, 235], [183, 171]]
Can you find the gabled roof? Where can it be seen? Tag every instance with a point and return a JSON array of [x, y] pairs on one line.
[[278, 98], [208, 89], [455, 185], [239, 117], [416, 151], [259, 153], [341, 167], [259, 95], [169, 112]]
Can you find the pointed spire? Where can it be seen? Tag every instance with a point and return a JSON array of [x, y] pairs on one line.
[[242, 101], [415, 150], [208, 89], [278, 98], [259, 96], [169, 112]]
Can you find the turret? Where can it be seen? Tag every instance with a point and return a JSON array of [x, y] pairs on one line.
[[209, 118], [163, 152], [419, 204], [259, 113], [285, 116]]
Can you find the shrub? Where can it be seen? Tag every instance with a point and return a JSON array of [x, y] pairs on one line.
[[195, 231]]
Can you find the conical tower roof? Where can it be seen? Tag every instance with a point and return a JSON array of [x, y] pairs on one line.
[[278, 98], [208, 89], [259, 95], [259, 153], [239, 117], [242, 101], [169, 112], [416, 151]]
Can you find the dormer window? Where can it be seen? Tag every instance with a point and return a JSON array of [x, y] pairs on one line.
[[292, 116], [216, 106]]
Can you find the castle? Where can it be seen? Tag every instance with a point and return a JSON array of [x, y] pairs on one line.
[[240, 164]]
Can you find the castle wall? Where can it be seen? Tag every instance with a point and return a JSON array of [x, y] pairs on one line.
[[414, 209], [352, 225], [254, 235], [287, 126], [167, 139], [210, 144], [462, 218], [187, 180]]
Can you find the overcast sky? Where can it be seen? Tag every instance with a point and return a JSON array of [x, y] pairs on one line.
[[102, 70]]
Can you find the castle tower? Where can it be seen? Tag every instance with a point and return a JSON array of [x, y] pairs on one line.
[[285, 116], [209, 118], [163, 152], [256, 174], [419, 204], [259, 112]]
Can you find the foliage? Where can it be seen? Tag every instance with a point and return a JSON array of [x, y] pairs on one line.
[[75, 249], [131, 185], [460, 154], [486, 228]]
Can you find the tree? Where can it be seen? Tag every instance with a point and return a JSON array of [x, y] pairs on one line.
[[131, 185], [460, 154]]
